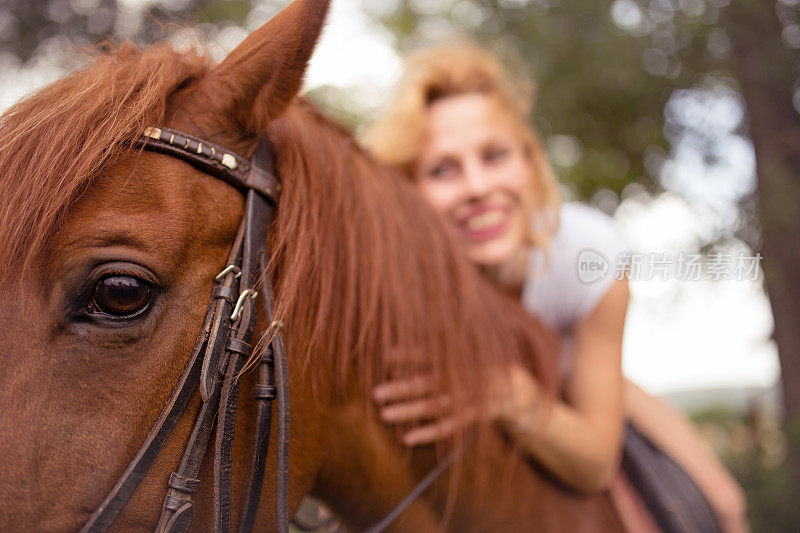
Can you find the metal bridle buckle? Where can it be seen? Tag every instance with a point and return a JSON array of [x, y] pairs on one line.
[[237, 310], [228, 270]]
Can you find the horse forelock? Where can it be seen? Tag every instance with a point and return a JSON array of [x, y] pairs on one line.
[[54, 143]]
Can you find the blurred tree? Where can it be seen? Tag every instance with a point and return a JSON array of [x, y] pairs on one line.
[[765, 49], [28, 26], [25, 25]]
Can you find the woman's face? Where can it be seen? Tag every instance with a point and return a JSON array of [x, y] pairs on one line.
[[474, 171]]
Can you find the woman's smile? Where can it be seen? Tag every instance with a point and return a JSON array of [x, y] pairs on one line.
[[485, 223]]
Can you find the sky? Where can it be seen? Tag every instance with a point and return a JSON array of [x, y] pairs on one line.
[[691, 335], [679, 335]]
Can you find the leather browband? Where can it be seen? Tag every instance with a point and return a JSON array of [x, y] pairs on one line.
[[217, 161]]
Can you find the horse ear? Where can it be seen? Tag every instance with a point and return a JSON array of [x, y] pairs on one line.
[[258, 79]]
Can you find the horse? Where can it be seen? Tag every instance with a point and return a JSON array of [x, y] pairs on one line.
[[368, 284]]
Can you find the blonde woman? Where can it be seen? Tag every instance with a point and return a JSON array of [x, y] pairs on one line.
[[458, 129]]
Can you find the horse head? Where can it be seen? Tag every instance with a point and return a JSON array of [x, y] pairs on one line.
[[109, 255]]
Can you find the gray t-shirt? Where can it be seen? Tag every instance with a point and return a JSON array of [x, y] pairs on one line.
[[565, 285]]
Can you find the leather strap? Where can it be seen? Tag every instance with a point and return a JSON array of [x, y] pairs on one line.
[[416, 492], [217, 161], [260, 213], [221, 350], [220, 332], [107, 512], [226, 423], [177, 502], [282, 381]]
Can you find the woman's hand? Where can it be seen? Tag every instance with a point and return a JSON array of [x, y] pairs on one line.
[[516, 398], [416, 401], [513, 398]]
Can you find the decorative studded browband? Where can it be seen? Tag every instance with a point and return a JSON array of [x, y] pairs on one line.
[[219, 162]]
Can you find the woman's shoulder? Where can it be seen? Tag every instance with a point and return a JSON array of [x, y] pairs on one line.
[[566, 283], [583, 226]]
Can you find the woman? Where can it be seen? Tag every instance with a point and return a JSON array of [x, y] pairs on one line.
[[458, 129]]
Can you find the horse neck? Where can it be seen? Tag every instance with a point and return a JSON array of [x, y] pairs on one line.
[[364, 268]]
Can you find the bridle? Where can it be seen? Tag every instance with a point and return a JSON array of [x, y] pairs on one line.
[[223, 347]]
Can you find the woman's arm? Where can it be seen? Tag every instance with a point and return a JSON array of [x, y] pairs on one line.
[[577, 440]]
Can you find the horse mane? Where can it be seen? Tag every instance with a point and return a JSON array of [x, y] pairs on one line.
[[372, 284], [54, 143]]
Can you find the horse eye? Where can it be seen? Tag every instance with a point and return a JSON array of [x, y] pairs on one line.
[[120, 296]]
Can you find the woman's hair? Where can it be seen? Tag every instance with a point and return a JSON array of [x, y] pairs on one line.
[[396, 138]]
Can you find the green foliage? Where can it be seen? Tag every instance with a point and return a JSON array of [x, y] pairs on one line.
[[754, 450], [772, 502], [604, 70], [233, 11], [26, 26]]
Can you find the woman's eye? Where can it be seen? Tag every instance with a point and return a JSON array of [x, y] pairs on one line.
[[495, 154], [441, 171], [120, 296]]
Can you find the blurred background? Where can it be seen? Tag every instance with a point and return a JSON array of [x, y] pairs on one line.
[[677, 117]]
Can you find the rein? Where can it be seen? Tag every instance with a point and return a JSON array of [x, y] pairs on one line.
[[222, 349]]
